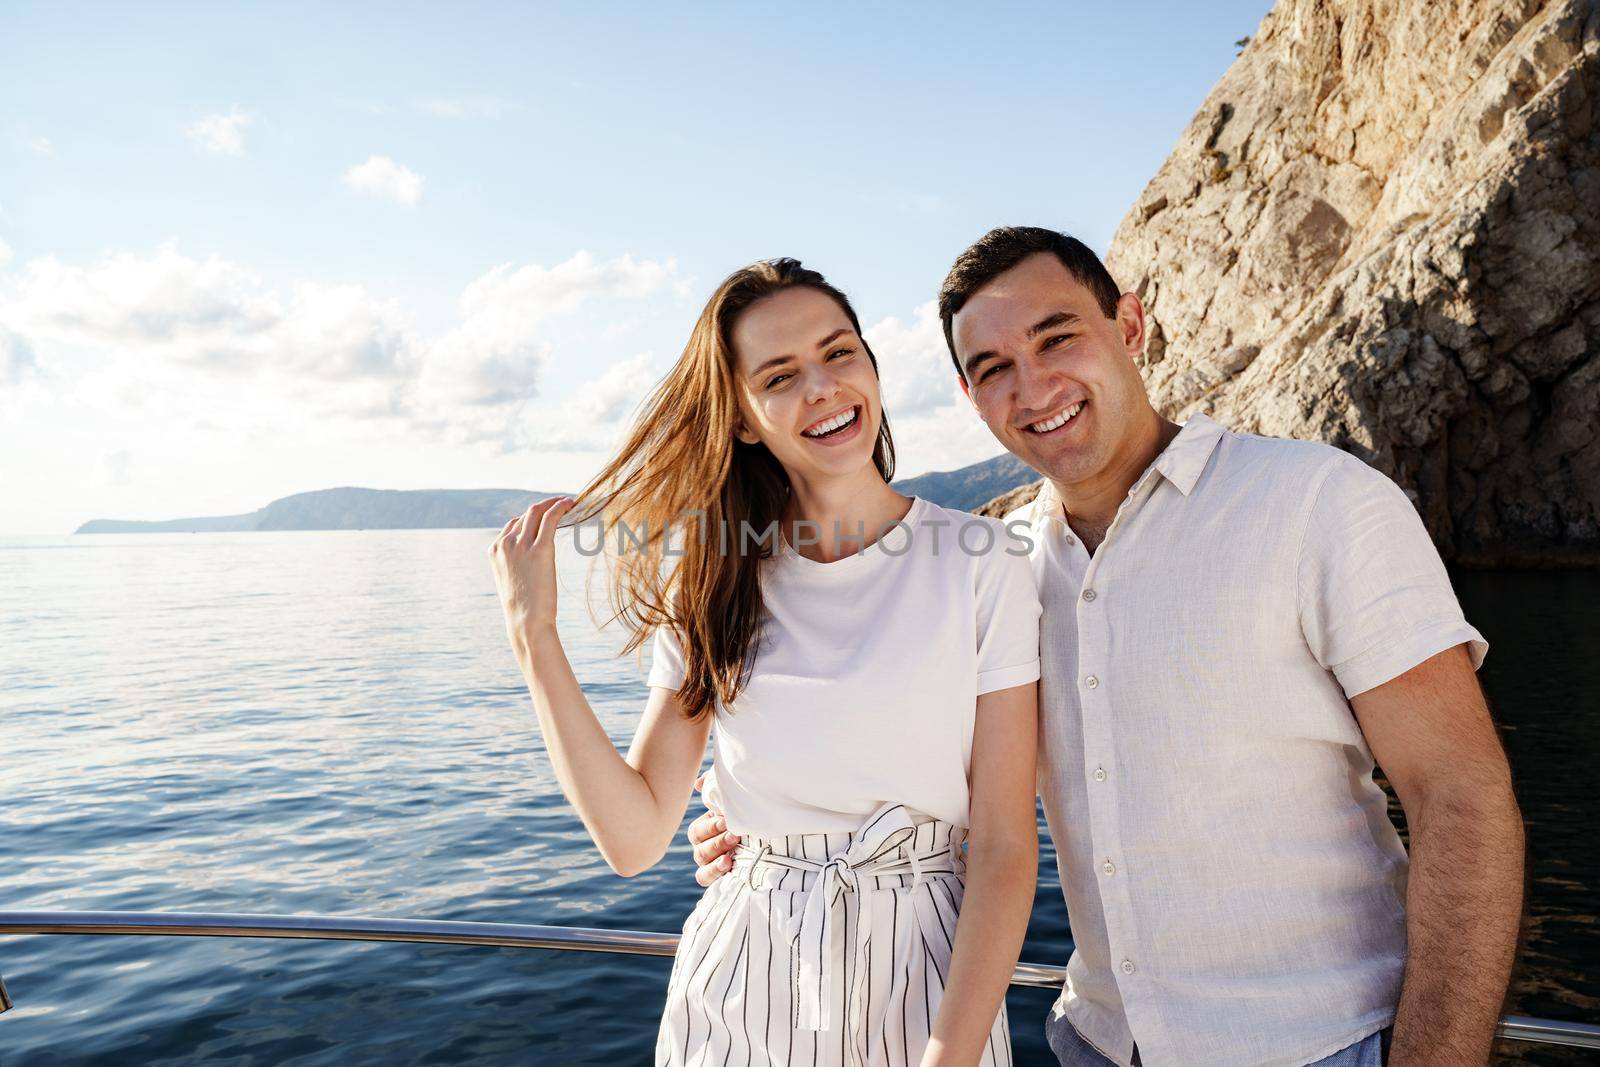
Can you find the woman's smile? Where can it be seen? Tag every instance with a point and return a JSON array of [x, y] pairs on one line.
[[835, 429]]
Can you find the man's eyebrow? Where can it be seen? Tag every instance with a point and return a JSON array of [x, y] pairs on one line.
[[973, 362], [1060, 318], [824, 343]]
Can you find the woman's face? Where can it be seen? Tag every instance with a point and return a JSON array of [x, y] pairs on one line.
[[807, 389]]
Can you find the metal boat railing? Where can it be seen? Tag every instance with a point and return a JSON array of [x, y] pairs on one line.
[[521, 935]]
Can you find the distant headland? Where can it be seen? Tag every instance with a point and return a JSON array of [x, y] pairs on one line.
[[352, 508]]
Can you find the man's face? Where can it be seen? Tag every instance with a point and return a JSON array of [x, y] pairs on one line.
[[1050, 374]]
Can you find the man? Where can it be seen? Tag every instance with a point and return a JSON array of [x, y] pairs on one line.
[[1235, 627]]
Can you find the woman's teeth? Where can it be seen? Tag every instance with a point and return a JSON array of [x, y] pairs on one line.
[[831, 426], [1060, 420]]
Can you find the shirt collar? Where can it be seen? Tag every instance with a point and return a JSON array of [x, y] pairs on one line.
[[1181, 463], [1046, 505]]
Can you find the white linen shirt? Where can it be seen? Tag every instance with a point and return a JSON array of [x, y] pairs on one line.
[[1235, 888], [865, 682]]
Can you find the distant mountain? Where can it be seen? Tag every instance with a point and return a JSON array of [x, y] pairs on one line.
[[971, 487], [350, 508]]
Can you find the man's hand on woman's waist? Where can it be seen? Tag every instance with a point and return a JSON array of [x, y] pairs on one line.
[[713, 843]]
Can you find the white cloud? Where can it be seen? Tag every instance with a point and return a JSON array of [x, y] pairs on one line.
[[914, 363], [178, 335], [493, 359], [16, 357], [935, 427], [383, 178], [5, 252], [941, 440], [114, 469], [543, 291], [166, 297], [466, 108], [594, 417], [42, 145], [223, 134], [342, 333], [613, 395]]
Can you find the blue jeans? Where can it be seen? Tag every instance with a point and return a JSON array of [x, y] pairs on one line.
[[1073, 1051]]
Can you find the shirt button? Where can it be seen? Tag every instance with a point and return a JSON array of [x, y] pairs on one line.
[[1092, 682], [1071, 540], [1099, 774], [1109, 867], [1127, 966], [1089, 595]]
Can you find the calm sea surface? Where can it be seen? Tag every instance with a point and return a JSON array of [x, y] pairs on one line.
[[333, 723]]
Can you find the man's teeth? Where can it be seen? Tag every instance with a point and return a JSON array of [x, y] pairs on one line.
[[838, 422], [1060, 420]]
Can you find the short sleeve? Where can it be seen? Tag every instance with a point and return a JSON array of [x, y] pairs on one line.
[[1008, 617], [666, 661], [1374, 597]]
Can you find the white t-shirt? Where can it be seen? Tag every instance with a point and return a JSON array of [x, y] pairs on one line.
[[865, 682]]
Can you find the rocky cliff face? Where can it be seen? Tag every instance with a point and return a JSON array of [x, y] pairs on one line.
[[1382, 231]]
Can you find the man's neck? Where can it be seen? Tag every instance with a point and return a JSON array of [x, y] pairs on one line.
[[1091, 505]]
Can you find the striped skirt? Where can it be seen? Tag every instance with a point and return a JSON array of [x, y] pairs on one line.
[[827, 949]]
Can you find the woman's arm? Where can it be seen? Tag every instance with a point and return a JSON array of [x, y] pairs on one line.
[[631, 807], [1002, 867]]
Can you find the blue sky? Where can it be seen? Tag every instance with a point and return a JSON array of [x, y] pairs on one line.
[[251, 251]]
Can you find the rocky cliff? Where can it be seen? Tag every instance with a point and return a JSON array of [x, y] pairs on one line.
[[1382, 231]]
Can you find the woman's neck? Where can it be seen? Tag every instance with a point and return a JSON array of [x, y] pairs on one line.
[[828, 520]]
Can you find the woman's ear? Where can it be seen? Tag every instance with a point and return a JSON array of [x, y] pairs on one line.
[[741, 432]]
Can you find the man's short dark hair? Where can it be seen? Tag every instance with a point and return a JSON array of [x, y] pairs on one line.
[[1003, 248]]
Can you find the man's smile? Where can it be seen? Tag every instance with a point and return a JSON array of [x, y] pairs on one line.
[[1058, 421]]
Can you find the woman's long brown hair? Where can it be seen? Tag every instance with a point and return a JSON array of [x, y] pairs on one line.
[[681, 477]]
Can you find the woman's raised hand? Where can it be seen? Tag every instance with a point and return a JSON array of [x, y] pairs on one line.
[[524, 561]]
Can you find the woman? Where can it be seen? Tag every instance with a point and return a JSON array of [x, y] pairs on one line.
[[872, 689]]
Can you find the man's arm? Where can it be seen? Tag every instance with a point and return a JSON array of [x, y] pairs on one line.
[[1430, 731]]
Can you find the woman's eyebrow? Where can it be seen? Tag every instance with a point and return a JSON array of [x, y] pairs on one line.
[[773, 362], [824, 343]]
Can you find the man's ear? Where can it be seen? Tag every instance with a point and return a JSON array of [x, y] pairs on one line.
[[1131, 321]]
